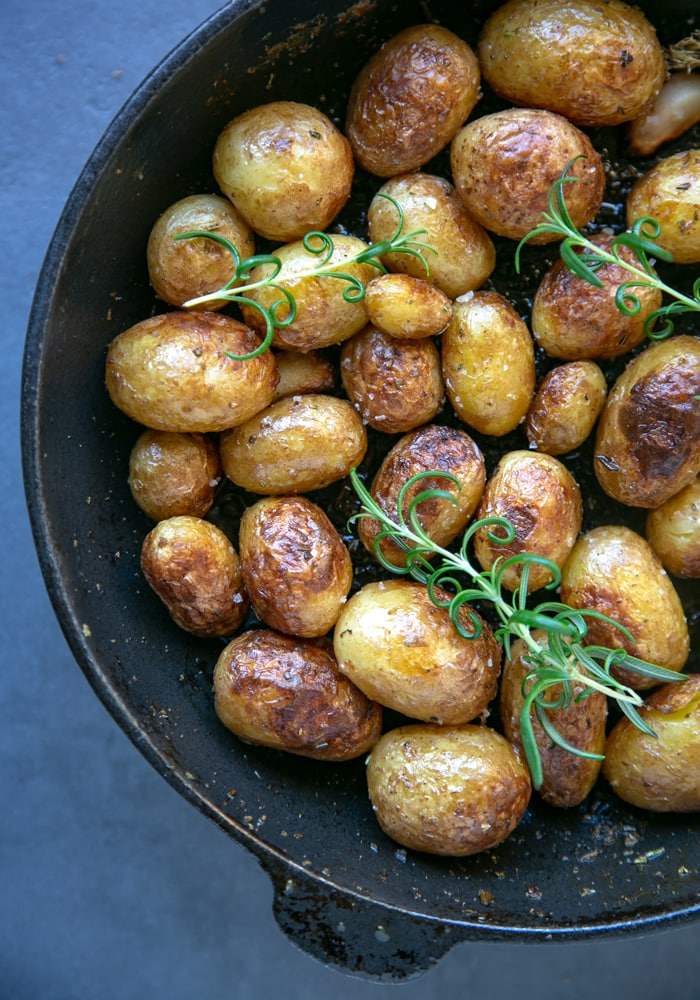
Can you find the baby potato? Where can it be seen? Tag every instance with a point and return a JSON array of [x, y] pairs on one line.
[[404, 652], [173, 373], [504, 165], [565, 407], [298, 444], [566, 778], [406, 307], [613, 570], [488, 363], [303, 373], [464, 253], [296, 567], [595, 63], [647, 445], [432, 447], [323, 316], [282, 692], [673, 531], [172, 474], [576, 321], [670, 193], [450, 790], [180, 270], [660, 773], [195, 570], [395, 384], [285, 167], [542, 501], [410, 98]]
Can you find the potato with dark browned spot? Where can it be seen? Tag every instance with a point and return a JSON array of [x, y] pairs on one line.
[[565, 407], [673, 531], [172, 474], [407, 307]]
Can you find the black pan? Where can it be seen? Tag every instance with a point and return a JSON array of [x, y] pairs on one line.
[[343, 891]]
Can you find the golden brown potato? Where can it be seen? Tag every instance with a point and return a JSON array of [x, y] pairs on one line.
[[406, 307], [504, 165], [303, 373], [298, 444], [542, 501], [404, 652], [595, 63], [647, 444], [287, 693], [180, 270], [172, 474], [613, 570], [410, 98], [566, 778], [395, 384], [661, 772], [195, 570], [488, 363], [323, 316], [575, 321], [670, 193], [565, 407], [450, 790], [286, 168], [296, 567], [432, 447], [464, 255], [173, 372], [673, 531]]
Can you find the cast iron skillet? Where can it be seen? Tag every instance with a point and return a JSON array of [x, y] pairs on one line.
[[343, 891]]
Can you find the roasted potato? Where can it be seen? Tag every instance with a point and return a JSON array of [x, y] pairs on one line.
[[287, 693], [406, 307], [296, 567], [195, 570], [541, 499], [504, 165], [673, 531], [613, 571], [301, 373], [595, 63], [298, 444], [647, 444], [173, 372], [410, 98], [451, 790], [172, 474], [565, 407], [395, 384], [675, 109], [660, 773], [286, 167], [670, 193], [404, 652]]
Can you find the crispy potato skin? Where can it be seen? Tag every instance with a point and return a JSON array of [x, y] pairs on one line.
[[566, 778], [395, 384], [195, 570], [298, 444], [595, 63], [296, 567], [673, 531], [504, 164], [404, 652], [410, 98], [172, 474], [670, 193], [453, 790], [406, 307], [576, 321], [647, 445], [285, 167], [542, 500], [433, 446], [565, 407], [301, 373], [287, 693], [660, 773], [172, 373], [614, 571]]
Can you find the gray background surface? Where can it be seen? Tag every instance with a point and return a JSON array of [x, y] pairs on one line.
[[112, 886]]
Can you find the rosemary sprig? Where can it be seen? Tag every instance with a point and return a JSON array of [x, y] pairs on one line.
[[283, 311], [563, 658], [640, 239]]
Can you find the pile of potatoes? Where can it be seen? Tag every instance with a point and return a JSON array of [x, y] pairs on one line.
[[434, 364]]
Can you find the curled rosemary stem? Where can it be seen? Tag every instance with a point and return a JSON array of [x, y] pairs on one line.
[[562, 659]]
